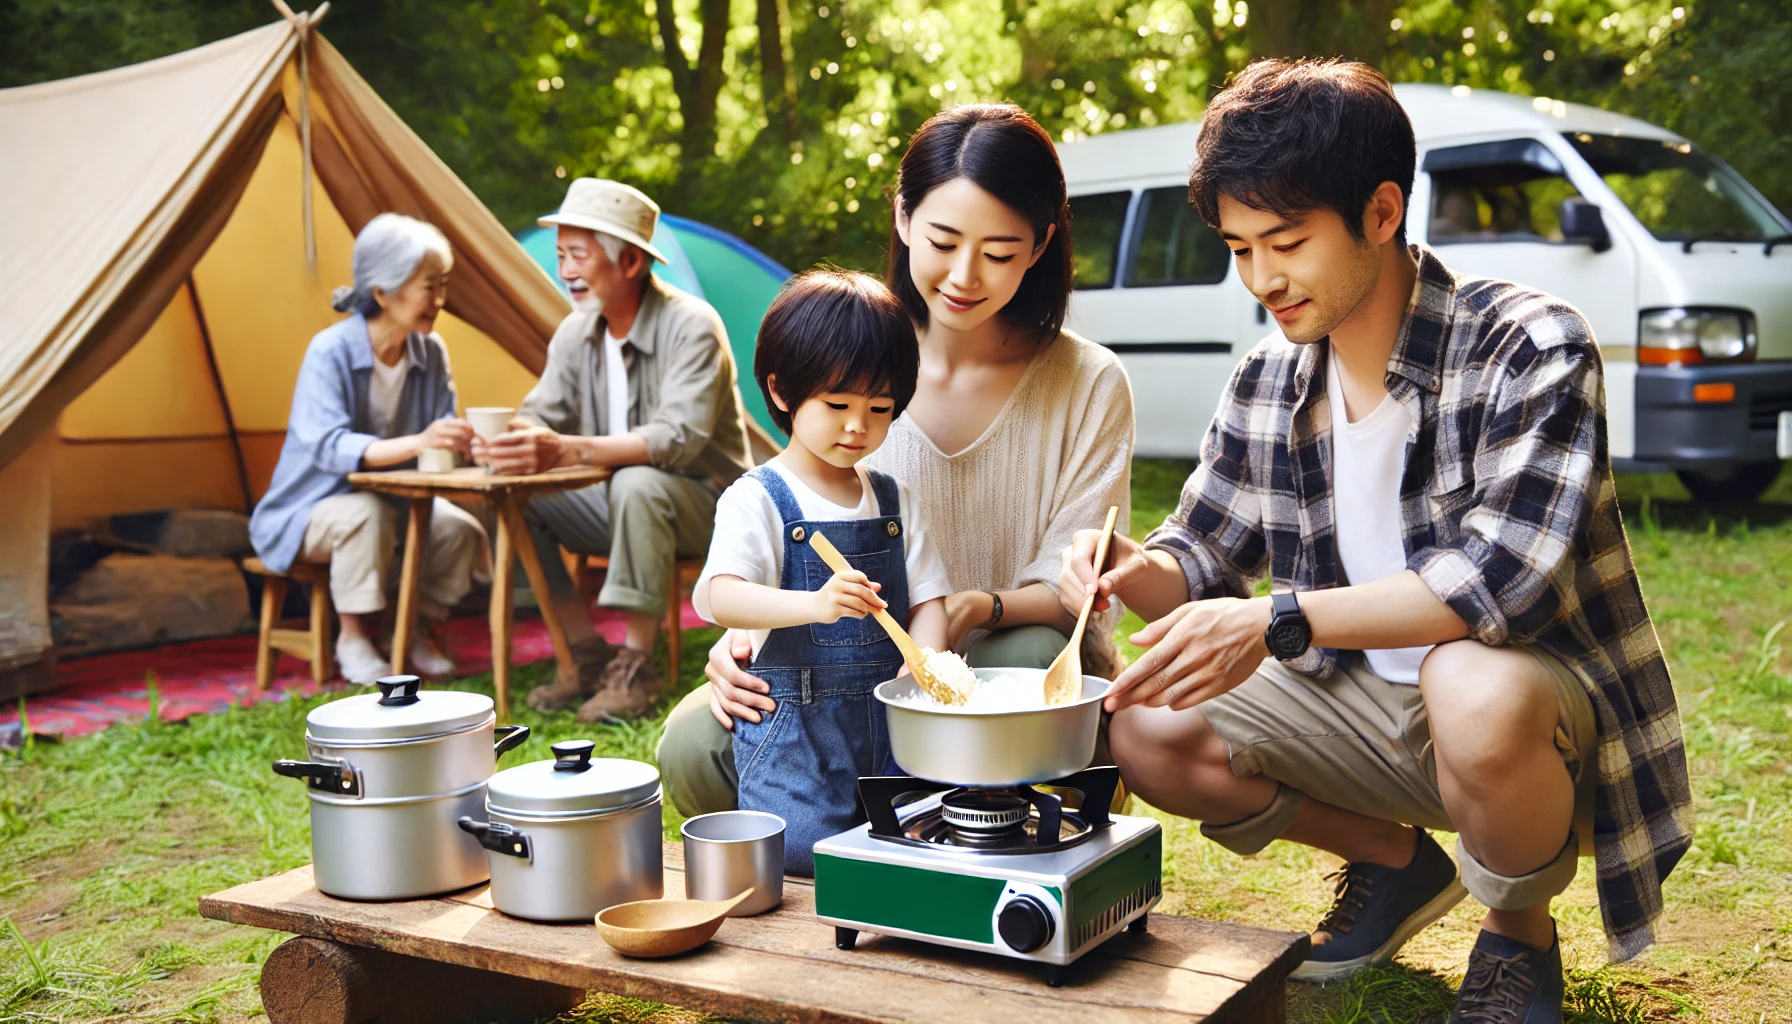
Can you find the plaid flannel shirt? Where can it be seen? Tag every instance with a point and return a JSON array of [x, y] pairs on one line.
[[1509, 514]]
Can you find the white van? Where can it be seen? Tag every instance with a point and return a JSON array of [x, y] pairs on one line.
[[1683, 269]]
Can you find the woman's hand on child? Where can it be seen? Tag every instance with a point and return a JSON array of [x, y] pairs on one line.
[[733, 691], [847, 594]]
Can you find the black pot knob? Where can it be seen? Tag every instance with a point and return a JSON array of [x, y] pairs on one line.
[[397, 691], [1025, 924], [573, 755]]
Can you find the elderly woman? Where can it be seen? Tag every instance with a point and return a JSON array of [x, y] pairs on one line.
[[373, 391]]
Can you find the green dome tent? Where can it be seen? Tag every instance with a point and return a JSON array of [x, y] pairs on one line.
[[735, 278]]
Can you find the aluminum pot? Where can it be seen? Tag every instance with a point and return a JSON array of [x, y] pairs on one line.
[[570, 837], [985, 748], [389, 776]]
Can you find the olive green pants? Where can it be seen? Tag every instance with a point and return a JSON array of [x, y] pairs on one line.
[[696, 755]]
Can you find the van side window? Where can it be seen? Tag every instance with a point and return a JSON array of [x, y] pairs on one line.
[[1095, 226], [1172, 245], [1497, 191]]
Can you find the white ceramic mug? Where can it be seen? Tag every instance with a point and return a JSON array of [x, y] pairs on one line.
[[488, 422], [435, 460]]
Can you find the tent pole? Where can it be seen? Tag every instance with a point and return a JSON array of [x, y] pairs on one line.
[[211, 362]]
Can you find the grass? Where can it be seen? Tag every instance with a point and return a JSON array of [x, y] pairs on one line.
[[106, 843]]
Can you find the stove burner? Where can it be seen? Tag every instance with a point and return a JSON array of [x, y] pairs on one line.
[[983, 810], [999, 820]]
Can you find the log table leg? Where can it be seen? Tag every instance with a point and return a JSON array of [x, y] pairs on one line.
[[314, 981], [502, 612], [538, 582], [416, 534]]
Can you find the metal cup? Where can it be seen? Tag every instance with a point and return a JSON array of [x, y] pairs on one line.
[[728, 851]]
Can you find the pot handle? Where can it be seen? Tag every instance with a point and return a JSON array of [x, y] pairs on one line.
[[338, 777], [510, 737], [499, 838]]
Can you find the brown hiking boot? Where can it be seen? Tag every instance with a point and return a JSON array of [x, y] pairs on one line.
[[590, 659], [630, 686]]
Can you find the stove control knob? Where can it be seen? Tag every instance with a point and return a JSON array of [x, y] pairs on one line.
[[1025, 924]]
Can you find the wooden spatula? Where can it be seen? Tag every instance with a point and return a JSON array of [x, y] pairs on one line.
[[912, 653], [1064, 679]]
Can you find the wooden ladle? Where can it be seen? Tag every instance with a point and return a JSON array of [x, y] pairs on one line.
[[652, 928], [912, 653], [1064, 679]]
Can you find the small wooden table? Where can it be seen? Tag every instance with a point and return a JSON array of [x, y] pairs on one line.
[[397, 962], [506, 495]]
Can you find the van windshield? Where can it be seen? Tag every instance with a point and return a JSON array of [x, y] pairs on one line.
[[1678, 191]]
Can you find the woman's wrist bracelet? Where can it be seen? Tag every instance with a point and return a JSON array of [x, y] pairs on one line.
[[995, 615]]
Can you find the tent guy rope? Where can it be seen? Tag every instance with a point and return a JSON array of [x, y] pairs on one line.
[[302, 23]]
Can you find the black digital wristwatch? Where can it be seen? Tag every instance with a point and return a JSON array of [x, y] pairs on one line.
[[1288, 635]]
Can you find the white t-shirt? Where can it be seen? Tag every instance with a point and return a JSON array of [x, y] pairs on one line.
[[749, 538], [1368, 457], [384, 390], [615, 385]]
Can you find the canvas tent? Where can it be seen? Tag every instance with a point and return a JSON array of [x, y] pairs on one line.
[[155, 292]]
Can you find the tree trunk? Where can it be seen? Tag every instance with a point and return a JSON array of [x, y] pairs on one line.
[[777, 80], [697, 87]]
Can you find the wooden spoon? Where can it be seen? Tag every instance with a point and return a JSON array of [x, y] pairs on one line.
[[1064, 679], [651, 928], [912, 652]]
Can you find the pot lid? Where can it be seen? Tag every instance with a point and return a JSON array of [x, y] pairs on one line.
[[573, 782], [399, 711]]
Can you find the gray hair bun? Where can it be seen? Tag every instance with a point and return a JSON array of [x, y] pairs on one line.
[[342, 299]]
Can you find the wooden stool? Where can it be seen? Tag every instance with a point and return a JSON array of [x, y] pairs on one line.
[[582, 567], [311, 643]]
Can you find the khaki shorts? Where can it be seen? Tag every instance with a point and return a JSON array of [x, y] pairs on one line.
[[1359, 742]]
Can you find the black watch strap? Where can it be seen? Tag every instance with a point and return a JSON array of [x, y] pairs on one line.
[[995, 614], [1288, 635]]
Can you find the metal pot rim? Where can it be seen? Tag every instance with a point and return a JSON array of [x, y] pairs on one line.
[[397, 741], [885, 692], [555, 817]]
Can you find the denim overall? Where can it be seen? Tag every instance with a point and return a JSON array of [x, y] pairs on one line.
[[803, 763]]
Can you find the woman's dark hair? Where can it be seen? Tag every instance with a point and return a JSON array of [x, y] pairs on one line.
[[999, 148], [831, 331], [1288, 136]]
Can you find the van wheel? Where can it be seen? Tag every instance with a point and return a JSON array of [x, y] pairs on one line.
[[1739, 483]]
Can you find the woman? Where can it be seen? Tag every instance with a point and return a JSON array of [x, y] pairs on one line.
[[1019, 434], [373, 391]]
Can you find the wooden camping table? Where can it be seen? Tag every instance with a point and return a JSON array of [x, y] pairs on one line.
[[506, 495], [454, 956]]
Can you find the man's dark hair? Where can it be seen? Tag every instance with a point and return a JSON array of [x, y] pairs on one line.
[[1288, 136], [834, 331], [999, 148]]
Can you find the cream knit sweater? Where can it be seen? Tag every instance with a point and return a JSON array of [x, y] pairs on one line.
[[1057, 455]]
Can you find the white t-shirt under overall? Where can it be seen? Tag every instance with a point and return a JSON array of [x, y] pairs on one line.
[[1368, 458], [749, 538]]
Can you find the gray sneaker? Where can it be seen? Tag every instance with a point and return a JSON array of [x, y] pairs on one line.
[[1377, 908]]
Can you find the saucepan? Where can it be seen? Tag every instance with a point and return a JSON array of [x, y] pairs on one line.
[[991, 748]]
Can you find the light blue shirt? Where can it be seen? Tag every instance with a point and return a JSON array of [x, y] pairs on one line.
[[331, 425]]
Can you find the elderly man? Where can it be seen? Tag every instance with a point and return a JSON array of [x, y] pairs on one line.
[[639, 378]]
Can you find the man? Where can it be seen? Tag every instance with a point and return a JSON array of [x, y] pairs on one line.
[[639, 378], [1458, 640]]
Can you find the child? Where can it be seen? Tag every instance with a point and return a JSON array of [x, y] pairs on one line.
[[836, 361]]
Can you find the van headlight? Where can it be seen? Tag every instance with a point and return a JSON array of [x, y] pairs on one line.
[[1681, 337]]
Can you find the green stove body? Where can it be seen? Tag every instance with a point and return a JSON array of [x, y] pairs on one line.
[[1049, 906]]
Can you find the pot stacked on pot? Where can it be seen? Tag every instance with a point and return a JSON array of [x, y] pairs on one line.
[[390, 775]]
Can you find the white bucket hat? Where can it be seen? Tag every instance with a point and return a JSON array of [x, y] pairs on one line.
[[599, 204]]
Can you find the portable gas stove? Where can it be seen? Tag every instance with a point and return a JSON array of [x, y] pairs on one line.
[[1005, 870]]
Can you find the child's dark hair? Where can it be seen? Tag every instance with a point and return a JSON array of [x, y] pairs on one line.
[[999, 148], [833, 331], [1286, 136]]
